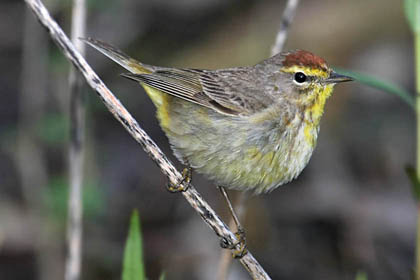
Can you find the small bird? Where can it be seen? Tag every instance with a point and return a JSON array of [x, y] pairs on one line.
[[246, 128]]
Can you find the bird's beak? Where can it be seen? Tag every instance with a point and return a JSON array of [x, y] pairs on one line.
[[337, 78]]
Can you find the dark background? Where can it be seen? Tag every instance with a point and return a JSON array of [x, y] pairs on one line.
[[350, 210]]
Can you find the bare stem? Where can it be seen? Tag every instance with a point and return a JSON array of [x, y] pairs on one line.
[[76, 151], [286, 20], [225, 259], [30, 156], [417, 56], [121, 114]]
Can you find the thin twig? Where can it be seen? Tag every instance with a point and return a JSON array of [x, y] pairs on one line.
[[286, 20], [417, 65], [122, 115], [30, 156], [76, 150], [225, 259]]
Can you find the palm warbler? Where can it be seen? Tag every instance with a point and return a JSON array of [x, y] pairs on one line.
[[246, 128]]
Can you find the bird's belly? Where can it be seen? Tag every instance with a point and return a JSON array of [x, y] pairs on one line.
[[237, 155], [260, 169]]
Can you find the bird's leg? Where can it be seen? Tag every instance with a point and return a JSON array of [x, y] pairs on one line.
[[240, 233], [186, 178]]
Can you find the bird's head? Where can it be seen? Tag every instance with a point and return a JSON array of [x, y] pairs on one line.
[[304, 78]]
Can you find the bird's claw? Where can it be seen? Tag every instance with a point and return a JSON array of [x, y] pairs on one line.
[[182, 185], [239, 248]]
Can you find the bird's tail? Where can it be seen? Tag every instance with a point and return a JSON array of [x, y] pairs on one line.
[[119, 57]]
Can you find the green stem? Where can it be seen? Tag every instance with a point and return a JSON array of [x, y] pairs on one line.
[[417, 55]]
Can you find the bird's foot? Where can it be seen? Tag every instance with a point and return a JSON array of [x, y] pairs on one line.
[[182, 185], [239, 248]]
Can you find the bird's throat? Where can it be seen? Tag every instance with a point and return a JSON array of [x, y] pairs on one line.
[[314, 109]]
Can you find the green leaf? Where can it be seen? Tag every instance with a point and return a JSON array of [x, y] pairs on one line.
[[361, 276], [412, 13], [415, 182], [162, 276], [133, 268], [377, 83]]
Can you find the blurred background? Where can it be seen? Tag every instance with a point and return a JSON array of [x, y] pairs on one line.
[[350, 210]]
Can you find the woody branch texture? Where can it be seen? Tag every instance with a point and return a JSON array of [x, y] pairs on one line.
[[124, 117]]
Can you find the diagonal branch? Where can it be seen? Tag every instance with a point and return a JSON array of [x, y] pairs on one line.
[[121, 114], [286, 20]]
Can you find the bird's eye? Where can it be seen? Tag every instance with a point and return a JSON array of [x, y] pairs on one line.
[[300, 77]]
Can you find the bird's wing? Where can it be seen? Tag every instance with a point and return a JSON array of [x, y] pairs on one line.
[[221, 90], [229, 91]]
